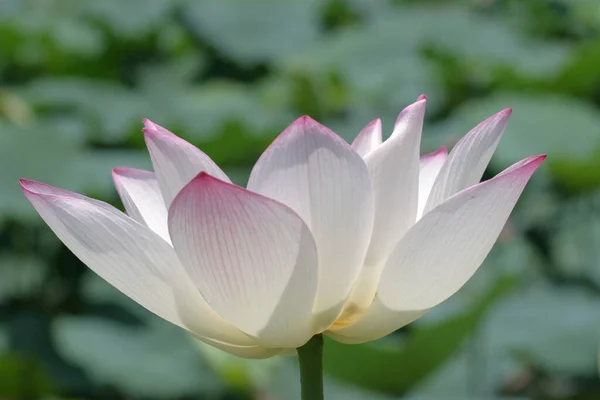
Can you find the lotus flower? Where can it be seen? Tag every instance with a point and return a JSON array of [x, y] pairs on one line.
[[354, 241]]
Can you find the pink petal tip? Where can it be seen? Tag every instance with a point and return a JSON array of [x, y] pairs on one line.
[[376, 121], [304, 120], [440, 151], [126, 172], [205, 178], [120, 171], [540, 158], [34, 187], [148, 124], [26, 183]]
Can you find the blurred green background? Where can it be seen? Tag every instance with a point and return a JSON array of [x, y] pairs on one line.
[[77, 77]]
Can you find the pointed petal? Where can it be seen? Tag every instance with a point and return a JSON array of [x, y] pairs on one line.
[[141, 197], [394, 169], [443, 250], [317, 174], [377, 322], [176, 161], [368, 139], [429, 168], [253, 259], [468, 159], [126, 254], [130, 257]]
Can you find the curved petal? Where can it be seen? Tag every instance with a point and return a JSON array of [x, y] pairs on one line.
[[376, 323], [368, 139], [253, 259], [394, 170], [199, 319], [254, 352], [443, 250], [429, 168], [468, 159], [130, 257], [176, 161], [317, 174], [141, 197]]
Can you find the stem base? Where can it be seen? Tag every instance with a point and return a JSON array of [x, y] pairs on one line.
[[310, 357]]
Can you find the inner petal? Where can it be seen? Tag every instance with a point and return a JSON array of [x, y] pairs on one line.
[[361, 297]]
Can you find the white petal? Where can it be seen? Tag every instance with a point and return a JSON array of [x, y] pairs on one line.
[[130, 257], [141, 197], [126, 254], [254, 352], [443, 250], [468, 159], [317, 174], [429, 168], [176, 161], [253, 259], [368, 139], [377, 322], [394, 170], [199, 318]]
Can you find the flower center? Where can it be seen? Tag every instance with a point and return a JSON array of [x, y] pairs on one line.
[[350, 314], [360, 298]]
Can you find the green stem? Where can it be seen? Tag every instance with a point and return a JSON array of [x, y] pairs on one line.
[[310, 357]]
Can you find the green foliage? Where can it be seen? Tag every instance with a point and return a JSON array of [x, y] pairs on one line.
[[565, 129], [385, 370], [23, 377]]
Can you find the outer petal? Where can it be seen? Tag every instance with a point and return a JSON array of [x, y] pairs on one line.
[[429, 168], [255, 352], [468, 159], [141, 197], [253, 259], [368, 139], [394, 169], [126, 254], [317, 174], [376, 323], [130, 257], [176, 161], [443, 250]]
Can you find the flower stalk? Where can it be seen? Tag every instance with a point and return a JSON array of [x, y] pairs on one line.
[[310, 357]]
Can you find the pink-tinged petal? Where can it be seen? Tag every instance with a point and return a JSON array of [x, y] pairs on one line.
[[131, 257], [253, 259], [316, 173], [443, 249], [368, 139], [377, 322], [402, 114], [141, 197], [394, 170], [429, 168], [468, 159], [176, 161]]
